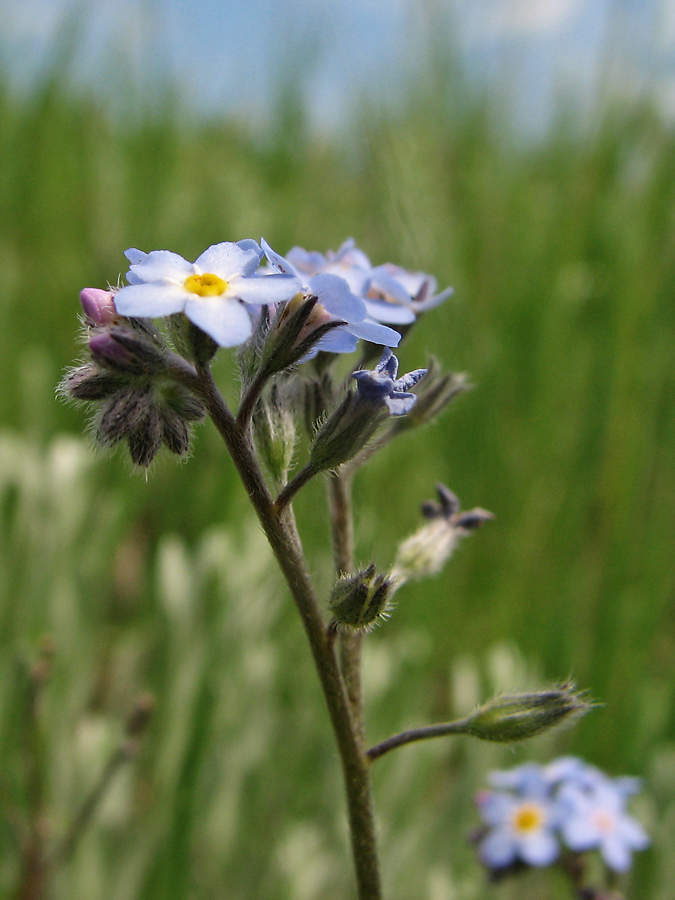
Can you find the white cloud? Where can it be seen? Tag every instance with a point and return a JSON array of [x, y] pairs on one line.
[[529, 17]]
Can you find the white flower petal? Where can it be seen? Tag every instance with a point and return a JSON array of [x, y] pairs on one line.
[[262, 289], [223, 319], [381, 280], [135, 256], [579, 833], [152, 300], [539, 849], [496, 808], [228, 259], [161, 265]]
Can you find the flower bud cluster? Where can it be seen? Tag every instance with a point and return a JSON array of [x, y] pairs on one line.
[[536, 810], [126, 377]]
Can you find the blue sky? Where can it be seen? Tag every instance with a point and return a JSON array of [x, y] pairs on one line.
[[228, 55]]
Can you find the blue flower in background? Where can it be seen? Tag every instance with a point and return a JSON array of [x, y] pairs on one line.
[[596, 819], [568, 801], [391, 294], [335, 301], [522, 827], [382, 387]]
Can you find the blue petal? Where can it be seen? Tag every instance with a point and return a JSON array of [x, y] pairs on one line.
[[393, 313], [334, 295], [281, 265], [375, 333], [498, 849]]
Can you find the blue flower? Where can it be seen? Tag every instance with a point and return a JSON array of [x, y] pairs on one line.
[[212, 291], [382, 387], [391, 294], [522, 827], [335, 301], [596, 819]]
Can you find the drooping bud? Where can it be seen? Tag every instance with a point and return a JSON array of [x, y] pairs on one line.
[[359, 600], [89, 382], [516, 717], [98, 306]]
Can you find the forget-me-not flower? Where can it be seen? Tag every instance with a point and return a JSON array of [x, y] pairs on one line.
[[521, 827], [212, 291], [381, 386], [597, 820], [335, 301], [391, 294]]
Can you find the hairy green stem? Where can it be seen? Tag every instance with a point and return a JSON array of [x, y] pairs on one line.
[[461, 726], [279, 527]]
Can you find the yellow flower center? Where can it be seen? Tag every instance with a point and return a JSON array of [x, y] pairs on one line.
[[206, 285], [528, 817]]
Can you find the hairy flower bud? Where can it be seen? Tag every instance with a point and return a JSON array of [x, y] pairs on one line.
[[274, 429], [359, 600], [98, 306], [519, 716], [127, 351]]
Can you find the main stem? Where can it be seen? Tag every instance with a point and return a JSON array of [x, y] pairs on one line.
[[280, 530]]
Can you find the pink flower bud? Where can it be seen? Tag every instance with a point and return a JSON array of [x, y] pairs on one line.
[[105, 349], [98, 306]]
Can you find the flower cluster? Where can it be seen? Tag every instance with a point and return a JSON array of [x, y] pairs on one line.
[[221, 290], [279, 311], [536, 809]]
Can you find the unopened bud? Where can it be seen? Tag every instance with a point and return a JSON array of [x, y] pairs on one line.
[[98, 306], [298, 327], [359, 600], [346, 432], [519, 716], [89, 382], [274, 428], [126, 351]]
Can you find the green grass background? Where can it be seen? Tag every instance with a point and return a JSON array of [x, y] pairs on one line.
[[562, 254]]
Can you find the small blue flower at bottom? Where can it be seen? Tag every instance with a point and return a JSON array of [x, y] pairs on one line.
[[381, 386], [521, 828]]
